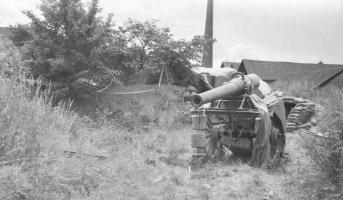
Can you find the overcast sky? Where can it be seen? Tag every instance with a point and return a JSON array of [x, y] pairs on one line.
[[277, 30]]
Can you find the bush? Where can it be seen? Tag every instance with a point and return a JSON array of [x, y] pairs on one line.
[[65, 46], [326, 151], [50, 152]]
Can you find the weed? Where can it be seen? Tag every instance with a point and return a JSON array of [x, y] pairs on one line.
[[326, 151]]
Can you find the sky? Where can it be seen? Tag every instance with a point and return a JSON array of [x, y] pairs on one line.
[[275, 30]]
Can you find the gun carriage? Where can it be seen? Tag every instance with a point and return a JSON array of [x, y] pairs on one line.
[[239, 117]]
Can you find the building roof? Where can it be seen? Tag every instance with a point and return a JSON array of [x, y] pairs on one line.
[[320, 74], [234, 65]]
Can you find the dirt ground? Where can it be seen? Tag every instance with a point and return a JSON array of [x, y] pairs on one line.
[[231, 178], [234, 179]]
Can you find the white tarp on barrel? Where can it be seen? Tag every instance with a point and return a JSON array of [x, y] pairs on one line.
[[218, 75]]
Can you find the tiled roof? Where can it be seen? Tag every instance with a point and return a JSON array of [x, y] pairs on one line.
[[268, 70]]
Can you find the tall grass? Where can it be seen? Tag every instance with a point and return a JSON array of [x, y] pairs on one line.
[[51, 153], [329, 98], [326, 151]]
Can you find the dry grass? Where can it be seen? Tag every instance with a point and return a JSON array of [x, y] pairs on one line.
[[51, 153], [114, 161], [330, 98], [151, 164], [34, 137], [325, 151]]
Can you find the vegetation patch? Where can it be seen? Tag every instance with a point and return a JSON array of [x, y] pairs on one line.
[[325, 144]]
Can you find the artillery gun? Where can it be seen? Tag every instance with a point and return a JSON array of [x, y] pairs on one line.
[[242, 115]]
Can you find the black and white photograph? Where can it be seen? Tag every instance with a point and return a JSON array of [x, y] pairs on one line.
[[171, 100]]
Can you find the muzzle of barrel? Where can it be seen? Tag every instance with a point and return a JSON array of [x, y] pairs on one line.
[[197, 100], [236, 86]]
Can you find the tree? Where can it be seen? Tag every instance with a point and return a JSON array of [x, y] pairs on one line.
[[150, 45], [20, 35], [142, 39], [63, 46], [75, 52]]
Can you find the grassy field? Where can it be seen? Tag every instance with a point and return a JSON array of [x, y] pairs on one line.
[[52, 153], [325, 151], [110, 162]]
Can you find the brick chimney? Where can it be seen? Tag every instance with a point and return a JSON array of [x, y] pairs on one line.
[[207, 57]]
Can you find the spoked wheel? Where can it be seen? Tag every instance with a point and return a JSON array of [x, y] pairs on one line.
[[210, 149], [206, 152]]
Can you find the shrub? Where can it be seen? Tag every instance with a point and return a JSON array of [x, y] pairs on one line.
[[50, 152], [64, 47], [326, 151]]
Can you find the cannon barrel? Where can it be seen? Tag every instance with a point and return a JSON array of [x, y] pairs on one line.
[[234, 87]]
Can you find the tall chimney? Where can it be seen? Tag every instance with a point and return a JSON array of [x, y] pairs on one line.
[[207, 57]]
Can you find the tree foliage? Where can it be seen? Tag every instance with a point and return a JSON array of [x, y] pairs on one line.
[[72, 49], [63, 45], [151, 46]]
